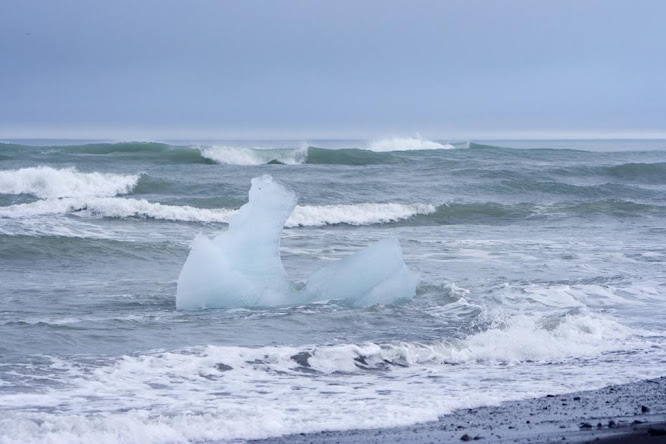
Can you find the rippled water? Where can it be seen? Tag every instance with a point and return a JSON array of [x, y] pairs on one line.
[[541, 271]]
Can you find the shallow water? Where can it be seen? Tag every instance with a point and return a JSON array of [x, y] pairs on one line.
[[541, 270]]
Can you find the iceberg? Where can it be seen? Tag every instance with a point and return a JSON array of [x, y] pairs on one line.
[[375, 275], [241, 267]]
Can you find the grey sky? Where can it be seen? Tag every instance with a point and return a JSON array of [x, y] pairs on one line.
[[163, 68]]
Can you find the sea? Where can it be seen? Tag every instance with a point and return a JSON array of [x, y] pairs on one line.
[[541, 266]]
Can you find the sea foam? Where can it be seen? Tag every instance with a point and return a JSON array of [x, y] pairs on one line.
[[255, 156], [242, 267], [303, 216], [406, 144], [47, 182], [213, 393]]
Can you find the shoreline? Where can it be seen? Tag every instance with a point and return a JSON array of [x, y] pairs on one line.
[[626, 413]]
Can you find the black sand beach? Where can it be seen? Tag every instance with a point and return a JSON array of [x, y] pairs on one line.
[[628, 413]]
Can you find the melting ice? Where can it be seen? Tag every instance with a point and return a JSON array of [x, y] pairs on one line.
[[241, 267]]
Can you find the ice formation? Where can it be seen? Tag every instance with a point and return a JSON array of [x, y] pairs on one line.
[[241, 267], [375, 275]]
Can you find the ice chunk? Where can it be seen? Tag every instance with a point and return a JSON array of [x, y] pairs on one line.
[[375, 275], [242, 267]]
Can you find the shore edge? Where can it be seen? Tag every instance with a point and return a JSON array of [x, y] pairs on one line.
[[626, 413]]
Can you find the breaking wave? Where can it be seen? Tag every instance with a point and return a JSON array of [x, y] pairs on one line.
[[255, 156], [347, 214], [376, 152], [115, 207], [406, 144], [47, 182], [303, 216], [231, 393], [355, 214]]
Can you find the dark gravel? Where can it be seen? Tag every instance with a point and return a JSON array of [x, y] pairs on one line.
[[628, 413]]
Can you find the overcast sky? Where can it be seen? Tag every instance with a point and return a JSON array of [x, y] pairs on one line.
[[445, 69]]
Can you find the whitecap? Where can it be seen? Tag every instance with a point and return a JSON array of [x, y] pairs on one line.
[[406, 144], [303, 216], [232, 155], [47, 182]]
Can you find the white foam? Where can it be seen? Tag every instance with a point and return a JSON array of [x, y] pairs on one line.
[[355, 214], [303, 216], [562, 297], [47, 182], [254, 156], [115, 207], [406, 144], [225, 393], [523, 337]]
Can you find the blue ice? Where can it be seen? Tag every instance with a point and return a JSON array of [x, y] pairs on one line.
[[241, 267]]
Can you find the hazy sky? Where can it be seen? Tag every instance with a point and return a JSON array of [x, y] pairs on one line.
[[196, 68]]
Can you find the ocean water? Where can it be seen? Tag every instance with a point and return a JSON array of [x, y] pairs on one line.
[[541, 265]]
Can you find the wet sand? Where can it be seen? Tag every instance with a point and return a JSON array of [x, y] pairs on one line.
[[628, 413]]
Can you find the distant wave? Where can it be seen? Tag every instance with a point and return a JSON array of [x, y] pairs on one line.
[[651, 173], [639, 170], [303, 216], [406, 144], [321, 215], [377, 152], [255, 156], [115, 207], [356, 214], [349, 156], [152, 150], [118, 147], [47, 182], [495, 213]]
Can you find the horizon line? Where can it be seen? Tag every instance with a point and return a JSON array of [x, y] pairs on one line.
[[149, 135]]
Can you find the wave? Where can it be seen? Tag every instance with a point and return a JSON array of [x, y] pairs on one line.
[[530, 152], [47, 182], [349, 156], [355, 214], [492, 213], [296, 156], [118, 147], [376, 152], [322, 215], [643, 171], [488, 212], [152, 150], [509, 339], [160, 152], [11, 148], [649, 173], [613, 207], [213, 391], [115, 207], [406, 144], [255, 156], [303, 216]]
